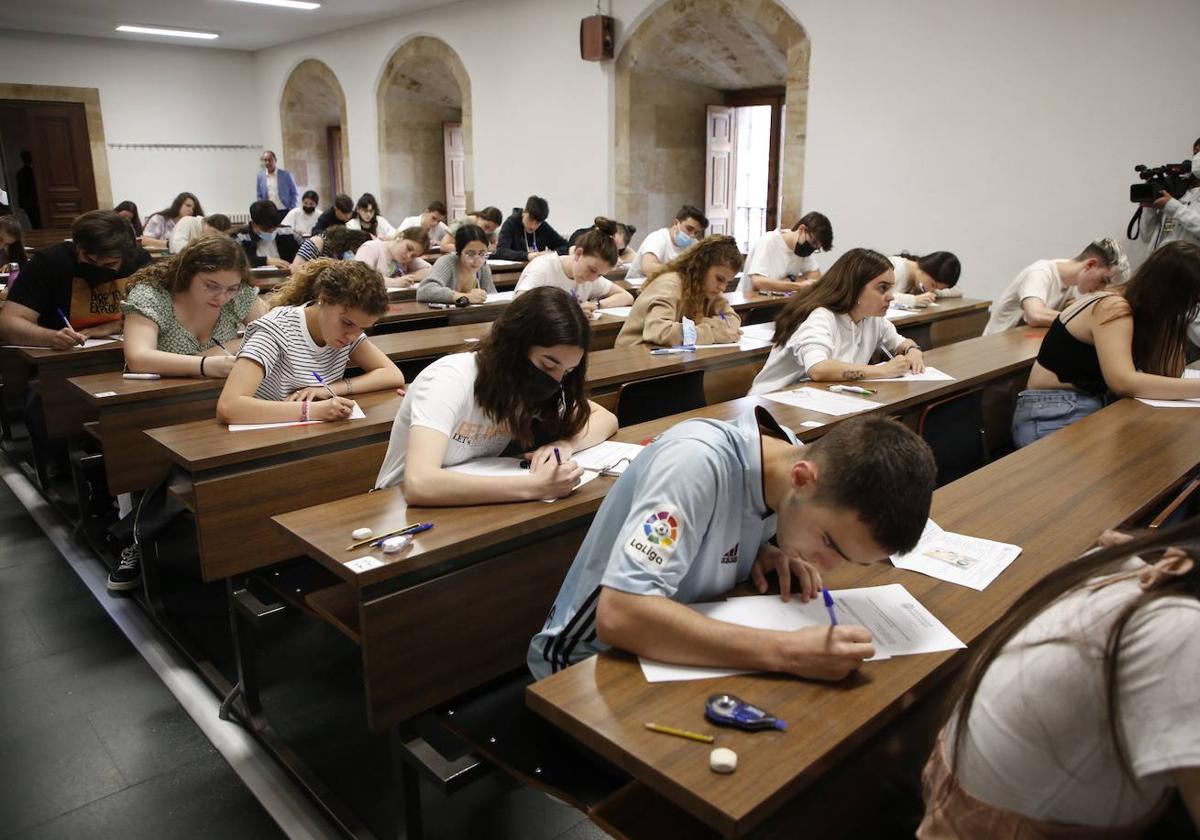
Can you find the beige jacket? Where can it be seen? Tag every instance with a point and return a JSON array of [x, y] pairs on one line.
[[656, 320]]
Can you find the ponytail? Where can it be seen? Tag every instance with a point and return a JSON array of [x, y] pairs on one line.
[[598, 241]]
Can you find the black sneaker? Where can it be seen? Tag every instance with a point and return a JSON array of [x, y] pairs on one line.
[[128, 574]]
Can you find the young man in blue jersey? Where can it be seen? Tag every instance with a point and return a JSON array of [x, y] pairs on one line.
[[695, 514]]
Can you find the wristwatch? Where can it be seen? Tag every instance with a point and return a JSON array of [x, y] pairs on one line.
[[462, 300]]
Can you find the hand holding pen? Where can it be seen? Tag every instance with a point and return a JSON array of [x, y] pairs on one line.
[[68, 336]]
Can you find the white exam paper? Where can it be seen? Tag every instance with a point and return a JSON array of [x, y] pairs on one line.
[[501, 297], [825, 402], [931, 374], [609, 456], [898, 622], [498, 467], [763, 332], [356, 414], [1191, 373], [968, 561], [498, 263], [1170, 403], [617, 311]]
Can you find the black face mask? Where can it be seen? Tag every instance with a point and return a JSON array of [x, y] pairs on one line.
[[539, 385], [803, 248], [95, 275]]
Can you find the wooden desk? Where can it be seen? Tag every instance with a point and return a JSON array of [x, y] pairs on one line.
[[46, 371], [408, 613], [1051, 498]]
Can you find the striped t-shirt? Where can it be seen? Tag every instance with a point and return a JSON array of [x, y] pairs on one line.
[[279, 341]]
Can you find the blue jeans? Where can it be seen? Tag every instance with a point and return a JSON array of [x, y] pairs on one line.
[[1038, 413]]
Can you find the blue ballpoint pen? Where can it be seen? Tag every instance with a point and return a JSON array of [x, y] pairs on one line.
[[557, 456], [829, 606], [317, 377], [66, 322], [412, 530]]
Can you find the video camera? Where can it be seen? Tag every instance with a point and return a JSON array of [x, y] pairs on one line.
[[1174, 178]]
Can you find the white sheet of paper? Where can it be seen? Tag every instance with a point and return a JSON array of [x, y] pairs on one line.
[[1191, 373], [893, 313], [1170, 403], [636, 282], [931, 374], [498, 467], [617, 311], [610, 455], [899, 624], [356, 414], [502, 297], [763, 332], [96, 342], [498, 263], [825, 402], [735, 297], [968, 561], [91, 342]]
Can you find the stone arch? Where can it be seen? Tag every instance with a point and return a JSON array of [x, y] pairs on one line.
[[681, 57], [311, 104], [424, 85]]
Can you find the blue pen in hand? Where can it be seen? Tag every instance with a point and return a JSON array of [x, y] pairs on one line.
[[557, 456], [829, 606], [63, 315], [317, 377]]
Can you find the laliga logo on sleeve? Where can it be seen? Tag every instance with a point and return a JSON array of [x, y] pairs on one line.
[[659, 533]]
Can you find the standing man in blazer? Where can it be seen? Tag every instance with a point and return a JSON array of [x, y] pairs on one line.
[[276, 185]]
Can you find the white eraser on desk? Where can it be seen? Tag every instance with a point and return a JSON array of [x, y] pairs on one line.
[[361, 533], [722, 760], [392, 545]]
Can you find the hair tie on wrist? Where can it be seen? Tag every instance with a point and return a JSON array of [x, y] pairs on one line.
[[202, 358]]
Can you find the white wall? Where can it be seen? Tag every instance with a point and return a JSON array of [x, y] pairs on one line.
[[152, 93]]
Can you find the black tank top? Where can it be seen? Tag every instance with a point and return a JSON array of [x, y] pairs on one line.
[[1074, 362]]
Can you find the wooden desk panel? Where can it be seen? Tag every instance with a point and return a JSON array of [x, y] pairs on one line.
[[1052, 498]]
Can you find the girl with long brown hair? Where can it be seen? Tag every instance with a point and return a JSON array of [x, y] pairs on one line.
[[157, 231], [525, 386], [182, 313], [581, 273], [1128, 345], [683, 302], [1077, 715], [830, 331]]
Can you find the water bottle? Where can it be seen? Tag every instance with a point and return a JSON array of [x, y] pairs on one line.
[[13, 270]]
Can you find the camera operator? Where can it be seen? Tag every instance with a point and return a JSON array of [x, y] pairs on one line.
[[1168, 219]]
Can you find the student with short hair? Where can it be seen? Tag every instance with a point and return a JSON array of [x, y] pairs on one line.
[[622, 236], [462, 276], [665, 244], [366, 217], [783, 261], [337, 242], [397, 260], [1076, 715], [339, 213], [303, 219], [275, 185], [698, 511], [264, 241], [526, 235], [157, 231], [683, 302], [432, 221], [316, 325], [1132, 344], [1037, 295], [922, 280], [831, 330], [83, 279], [12, 241], [525, 386], [488, 219], [193, 227], [581, 275], [129, 211], [182, 313]]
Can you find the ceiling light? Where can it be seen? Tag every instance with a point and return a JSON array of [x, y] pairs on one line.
[[286, 4], [174, 33]]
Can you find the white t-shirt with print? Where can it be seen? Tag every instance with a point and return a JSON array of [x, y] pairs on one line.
[[442, 398], [1040, 280], [772, 258], [547, 270], [1037, 739], [824, 335], [660, 244]]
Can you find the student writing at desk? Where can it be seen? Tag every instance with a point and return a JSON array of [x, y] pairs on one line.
[[526, 385], [684, 302], [623, 234], [830, 331], [922, 280], [264, 241], [337, 242], [82, 281], [665, 244], [488, 219], [526, 234], [366, 217], [1131, 344], [462, 274], [1042, 289], [182, 313], [581, 274], [1077, 716], [783, 261], [692, 516], [158, 228], [397, 260], [316, 327]]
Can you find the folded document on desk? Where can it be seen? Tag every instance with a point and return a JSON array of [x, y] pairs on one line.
[[356, 414], [967, 561], [899, 625]]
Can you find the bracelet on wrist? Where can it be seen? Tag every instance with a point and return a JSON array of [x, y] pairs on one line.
[[303, 411], [202, 358], [349, 388]]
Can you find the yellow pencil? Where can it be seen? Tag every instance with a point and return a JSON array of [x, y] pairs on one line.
[[680, 733]]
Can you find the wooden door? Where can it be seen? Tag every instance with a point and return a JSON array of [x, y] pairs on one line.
[[337, 177], [62, 162], [719, 169], [454, 143]]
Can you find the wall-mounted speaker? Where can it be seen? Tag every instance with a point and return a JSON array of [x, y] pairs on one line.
[[596, 38]]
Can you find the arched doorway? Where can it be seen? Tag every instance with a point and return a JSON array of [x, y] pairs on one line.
[[312, 113], [685, 58], [424, 102]]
